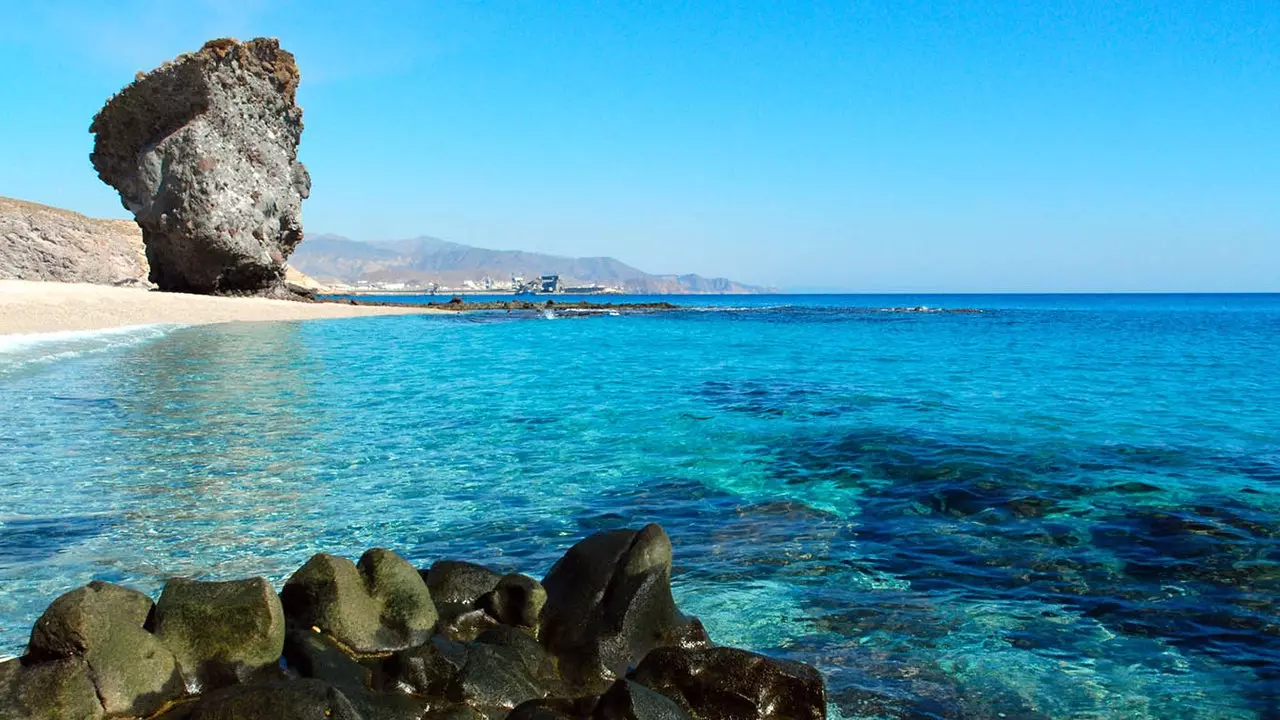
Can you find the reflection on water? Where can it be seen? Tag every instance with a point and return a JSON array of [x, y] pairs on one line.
[[1085, 528]]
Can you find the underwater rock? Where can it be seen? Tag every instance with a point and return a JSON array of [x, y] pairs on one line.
[[221, 632], [379, 605], [103, 624], [204, 153], [609, 603], [730, 684]]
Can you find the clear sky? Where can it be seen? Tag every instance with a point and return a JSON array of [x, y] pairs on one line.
[[892, 145]]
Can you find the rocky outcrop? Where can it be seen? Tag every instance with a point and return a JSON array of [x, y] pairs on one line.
[[38, 242], [203, 151], [598, 639]]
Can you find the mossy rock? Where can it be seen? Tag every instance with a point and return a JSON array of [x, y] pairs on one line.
[[221, 633]]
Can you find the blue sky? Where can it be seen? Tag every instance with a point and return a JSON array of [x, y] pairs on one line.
[[878, 146]]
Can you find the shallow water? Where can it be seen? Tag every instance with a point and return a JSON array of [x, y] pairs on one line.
[[1063, 507]]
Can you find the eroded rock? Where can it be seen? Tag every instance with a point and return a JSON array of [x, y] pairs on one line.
[[380, 605], [203, 151]]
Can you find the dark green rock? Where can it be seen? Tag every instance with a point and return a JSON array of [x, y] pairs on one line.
[[53, 690], [314, 655], [284, 700], [455, 712], [468, 625], [428, 670], [380, 605], [516, 600], [460, 583], [504, 667], [221, 632], [627, 700], [731, 684], [609, 603], [134, 673], [546, 709]]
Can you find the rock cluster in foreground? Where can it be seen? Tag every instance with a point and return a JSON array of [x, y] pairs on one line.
[[599, 637], [204, 153]]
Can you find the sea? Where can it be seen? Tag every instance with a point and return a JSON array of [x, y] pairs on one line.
[[1062, 506]]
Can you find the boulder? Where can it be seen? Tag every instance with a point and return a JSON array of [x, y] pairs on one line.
[[516, 600], [454, 582], [546, 709], [380, 605], [457, 587], [730, 684], [53, 690], [203, 151], [428, 670], [221, 632], [294, 700], [627, 700], [316, 656], [609, 603], [503, 668], [133, 673], [468, 625]]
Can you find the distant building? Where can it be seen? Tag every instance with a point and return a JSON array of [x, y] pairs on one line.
[[549, 284]]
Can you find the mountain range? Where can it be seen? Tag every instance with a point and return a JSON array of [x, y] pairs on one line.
[[422, 260]]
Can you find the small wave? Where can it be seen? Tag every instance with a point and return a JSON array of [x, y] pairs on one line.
[[25, 349], [735, 308]]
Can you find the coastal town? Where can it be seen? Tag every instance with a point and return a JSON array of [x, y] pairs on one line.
[[516, 285]]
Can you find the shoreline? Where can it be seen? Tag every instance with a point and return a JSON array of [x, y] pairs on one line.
[[30, 307]]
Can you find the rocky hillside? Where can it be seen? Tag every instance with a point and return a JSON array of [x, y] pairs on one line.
[[333, 258], [38, 242]]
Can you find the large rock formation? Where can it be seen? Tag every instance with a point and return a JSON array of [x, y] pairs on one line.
[[204, 153], [38, 242], [599, 639]]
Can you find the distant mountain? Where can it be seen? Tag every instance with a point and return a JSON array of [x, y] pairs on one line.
[[336, 259]]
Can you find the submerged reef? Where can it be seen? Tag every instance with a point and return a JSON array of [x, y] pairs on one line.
[[204, 153], [599, 637]]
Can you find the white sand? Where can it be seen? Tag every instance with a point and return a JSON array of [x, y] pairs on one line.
[[37, 307]]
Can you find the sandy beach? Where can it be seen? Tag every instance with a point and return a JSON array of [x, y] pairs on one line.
[[34, 307]]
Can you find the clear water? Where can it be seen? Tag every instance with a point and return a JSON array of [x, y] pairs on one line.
[[1063, 507]]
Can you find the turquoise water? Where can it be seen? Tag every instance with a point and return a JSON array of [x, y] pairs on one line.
[[1063, 507]]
